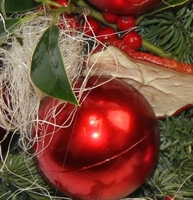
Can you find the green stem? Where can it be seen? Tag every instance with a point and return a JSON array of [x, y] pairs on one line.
[[139, 19], [59, 8], [93, 13], [147, 46], [31, 16], [55, 18]]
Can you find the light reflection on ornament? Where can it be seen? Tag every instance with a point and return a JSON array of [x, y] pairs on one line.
[[120, 119], [95, 135]]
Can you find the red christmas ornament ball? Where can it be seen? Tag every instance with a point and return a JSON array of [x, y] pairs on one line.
[[103, 149], [134, 7]]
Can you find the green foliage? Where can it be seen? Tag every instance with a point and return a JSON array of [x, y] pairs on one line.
[[172, 31], [20, 180], [167, 4], [48, 71], [13, 6], [7, 27]]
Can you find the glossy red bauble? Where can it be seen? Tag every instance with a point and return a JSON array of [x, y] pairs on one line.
[[126, 6], [102, 150], [109, 17]]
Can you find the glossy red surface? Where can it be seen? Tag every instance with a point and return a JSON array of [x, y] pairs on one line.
[[125, 22], [109, 17], [133, 40], [62, 2], [107, 150], [126, 6]]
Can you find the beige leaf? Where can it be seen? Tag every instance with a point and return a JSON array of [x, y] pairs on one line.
[[167, 90]]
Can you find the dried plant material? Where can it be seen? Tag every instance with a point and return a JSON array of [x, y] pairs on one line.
[[20, 99], [166, 89]]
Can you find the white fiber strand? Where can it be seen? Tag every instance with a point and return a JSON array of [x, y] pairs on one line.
[[20, 99]]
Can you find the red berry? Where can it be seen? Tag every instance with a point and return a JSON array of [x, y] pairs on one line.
[[170, 198], [109, 17], [91, 26], [133, 40], [40, 8], [125, 22], [62, 2], [106, 33]]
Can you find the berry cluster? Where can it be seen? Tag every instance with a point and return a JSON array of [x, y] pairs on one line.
[[124, 31]]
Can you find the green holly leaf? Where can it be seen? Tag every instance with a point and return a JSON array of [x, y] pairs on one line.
[[48, 71], [7, 27], [12, 6]]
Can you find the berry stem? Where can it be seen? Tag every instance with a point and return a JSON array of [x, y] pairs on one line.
[[31, 16], [93, 13], [140, 18], [147, 46]]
